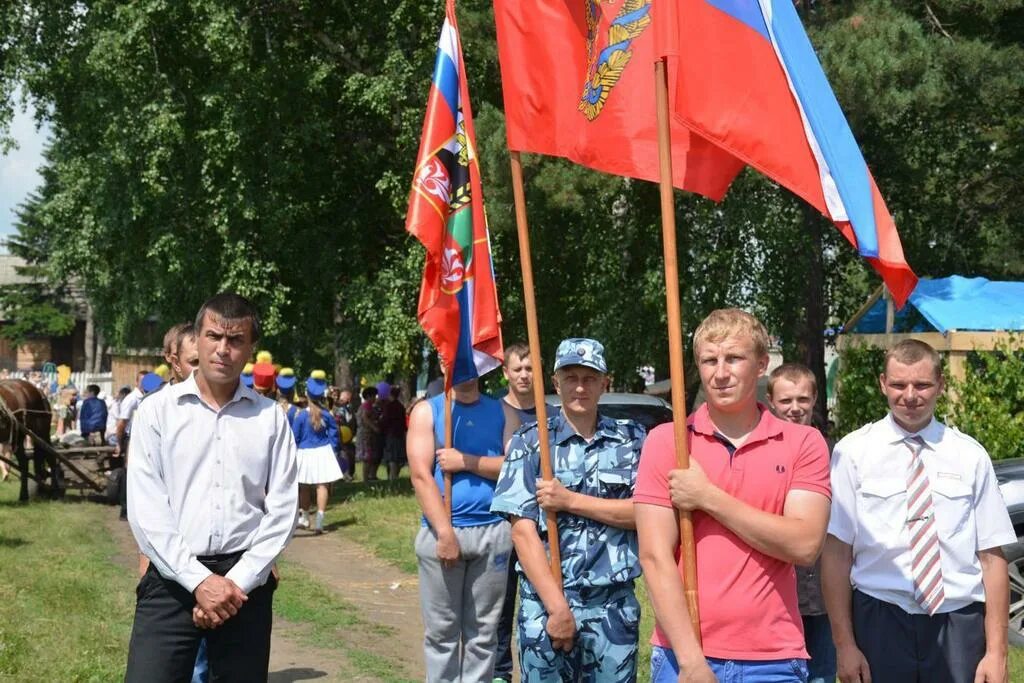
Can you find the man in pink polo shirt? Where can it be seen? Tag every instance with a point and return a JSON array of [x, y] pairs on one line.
[[758, 489]]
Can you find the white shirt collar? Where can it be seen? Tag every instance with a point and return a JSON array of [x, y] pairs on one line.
[[190, 388], [893, 433]]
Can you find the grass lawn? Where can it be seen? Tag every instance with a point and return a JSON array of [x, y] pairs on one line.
[[67, 602], [65, 605], [385, 518]]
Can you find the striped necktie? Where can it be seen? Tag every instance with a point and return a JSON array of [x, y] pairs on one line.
[[924, 540]]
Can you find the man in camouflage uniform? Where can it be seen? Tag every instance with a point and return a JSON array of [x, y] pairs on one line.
[[587, 628]]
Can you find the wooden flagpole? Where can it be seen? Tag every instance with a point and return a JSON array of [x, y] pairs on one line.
[[448, 444], [675, 334], [533, 335]]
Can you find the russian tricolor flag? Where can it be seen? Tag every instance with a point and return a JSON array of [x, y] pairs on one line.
[[458, 306], [748, 80]]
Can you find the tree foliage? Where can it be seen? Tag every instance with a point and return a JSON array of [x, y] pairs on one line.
[[268, 147], [990, 405]]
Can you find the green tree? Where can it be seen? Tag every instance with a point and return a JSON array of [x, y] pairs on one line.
[[268, 147], [990, 400]]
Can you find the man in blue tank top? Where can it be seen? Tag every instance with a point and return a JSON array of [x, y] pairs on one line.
[[463, 559]]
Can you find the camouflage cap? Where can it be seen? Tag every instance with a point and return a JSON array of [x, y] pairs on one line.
[[580, 351]]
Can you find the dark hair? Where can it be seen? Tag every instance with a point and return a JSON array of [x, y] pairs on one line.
[[518, 349], [124, 391], [93, 389], [230, 307], [369, 392]]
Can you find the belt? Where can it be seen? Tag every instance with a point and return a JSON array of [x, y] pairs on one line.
[[222, 563]]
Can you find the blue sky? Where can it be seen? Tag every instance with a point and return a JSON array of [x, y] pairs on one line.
[[18, 169]]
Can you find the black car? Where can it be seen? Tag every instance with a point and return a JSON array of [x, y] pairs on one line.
[[649, 411], [1010, 474]]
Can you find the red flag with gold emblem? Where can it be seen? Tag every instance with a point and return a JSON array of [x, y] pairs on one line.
[[578, 82]]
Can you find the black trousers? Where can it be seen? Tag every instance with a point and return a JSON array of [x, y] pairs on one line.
[[917, 648], [164, 640]]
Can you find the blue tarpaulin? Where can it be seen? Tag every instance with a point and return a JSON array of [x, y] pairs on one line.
[[953, 303]]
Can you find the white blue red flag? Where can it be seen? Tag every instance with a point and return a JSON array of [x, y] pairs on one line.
[[747, 79], [458, 306]]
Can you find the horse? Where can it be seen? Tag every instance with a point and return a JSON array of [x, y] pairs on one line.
[[25, 409]]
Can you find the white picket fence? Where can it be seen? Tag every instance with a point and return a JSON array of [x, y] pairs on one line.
[[104, 380]]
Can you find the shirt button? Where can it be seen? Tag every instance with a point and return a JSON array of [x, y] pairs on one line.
[[217, 484]]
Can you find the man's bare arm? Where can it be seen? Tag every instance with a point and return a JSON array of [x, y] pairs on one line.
[[795, 536], [552, 495], [994, 577], [419, 444], [836, 563], [658, 532], [534, 561]]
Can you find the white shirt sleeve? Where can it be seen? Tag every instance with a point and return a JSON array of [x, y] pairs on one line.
[[990, 515], [128, 407], [843, 522], [278, 524], [151, 518]]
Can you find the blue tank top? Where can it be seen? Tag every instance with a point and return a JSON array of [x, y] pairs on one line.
[[477, 429]]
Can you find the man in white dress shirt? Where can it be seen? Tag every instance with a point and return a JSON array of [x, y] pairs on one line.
[[212, 485], [123, 431], [914, 579]]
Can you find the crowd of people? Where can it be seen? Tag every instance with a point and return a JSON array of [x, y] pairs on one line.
[[877, 559]]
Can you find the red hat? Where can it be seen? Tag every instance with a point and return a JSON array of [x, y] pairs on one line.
[[263, 376]]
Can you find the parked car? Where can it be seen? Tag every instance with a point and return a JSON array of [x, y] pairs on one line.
[[1010, 475], [650, 411]]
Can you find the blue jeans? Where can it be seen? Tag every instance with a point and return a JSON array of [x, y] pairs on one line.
[[818, 636], [201, 672], [665, 669]]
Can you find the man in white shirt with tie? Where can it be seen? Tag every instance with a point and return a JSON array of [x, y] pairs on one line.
[[212, 485], [914, 579]]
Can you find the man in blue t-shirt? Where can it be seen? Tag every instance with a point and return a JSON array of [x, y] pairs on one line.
[[92, 419], [463, 558]]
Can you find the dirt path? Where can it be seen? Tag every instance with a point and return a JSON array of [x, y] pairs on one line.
[[383, 594], [291, 660]]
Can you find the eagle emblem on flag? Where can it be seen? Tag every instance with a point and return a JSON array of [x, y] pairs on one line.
[[605, 65]]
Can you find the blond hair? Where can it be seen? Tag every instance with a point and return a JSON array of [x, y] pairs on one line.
[[911, 351], [792, 372], [731, 322]]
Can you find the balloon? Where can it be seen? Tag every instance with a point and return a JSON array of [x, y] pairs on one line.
[[346, 433]]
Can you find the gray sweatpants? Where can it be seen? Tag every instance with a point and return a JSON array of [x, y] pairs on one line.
[[461, 605]]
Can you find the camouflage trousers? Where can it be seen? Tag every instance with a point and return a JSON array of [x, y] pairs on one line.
[[607, 632]]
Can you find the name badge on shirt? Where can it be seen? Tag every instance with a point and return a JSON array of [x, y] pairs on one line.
[[949, 475]]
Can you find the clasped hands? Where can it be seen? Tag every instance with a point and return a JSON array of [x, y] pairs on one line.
[[217, 600]]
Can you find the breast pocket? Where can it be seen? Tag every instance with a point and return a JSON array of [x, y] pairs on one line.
[[883, 507], [951, 500], [616, 475], [571, 479]]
